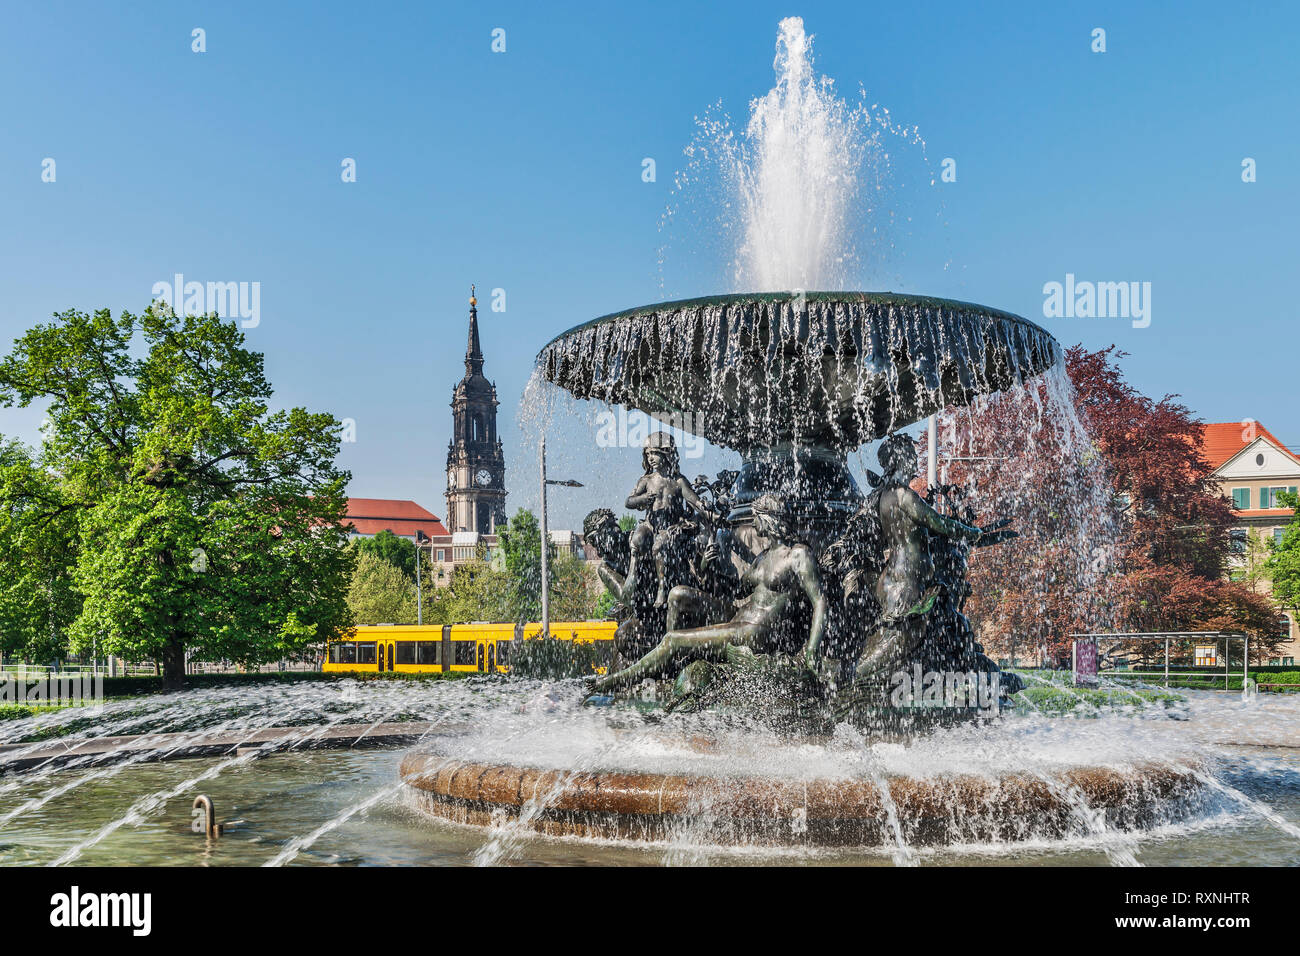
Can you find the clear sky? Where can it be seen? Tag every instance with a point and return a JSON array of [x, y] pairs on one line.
[[522, 171]]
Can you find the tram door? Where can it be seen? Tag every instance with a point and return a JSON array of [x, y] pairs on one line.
[[482, 658], [391, 645], [492, 659]]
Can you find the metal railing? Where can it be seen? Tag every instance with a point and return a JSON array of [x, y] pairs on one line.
[[1182, 637]]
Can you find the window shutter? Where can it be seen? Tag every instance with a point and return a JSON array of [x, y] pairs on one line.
[[1263, 497]]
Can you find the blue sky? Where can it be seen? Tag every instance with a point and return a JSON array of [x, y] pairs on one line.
[[522, 171]]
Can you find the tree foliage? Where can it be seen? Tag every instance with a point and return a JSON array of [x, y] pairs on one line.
[[1283, 565], [1122, 526], [380, 593], [38, 545], [204, 522], [397, 551]]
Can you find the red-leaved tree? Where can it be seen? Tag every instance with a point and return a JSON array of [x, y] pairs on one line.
[[1121, 526]]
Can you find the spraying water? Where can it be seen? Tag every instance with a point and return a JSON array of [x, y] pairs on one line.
[[797, 177]]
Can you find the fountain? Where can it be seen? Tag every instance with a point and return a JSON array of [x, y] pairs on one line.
[[795, 714], [779, 594]]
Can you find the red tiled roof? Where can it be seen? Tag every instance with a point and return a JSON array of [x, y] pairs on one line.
[[1222, 440], [373, 515]]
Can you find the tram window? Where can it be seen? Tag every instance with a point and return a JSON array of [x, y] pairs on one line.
[[406, 652], [365, 652], [503, 653], [430, 652], [344, 652], [466, 652]]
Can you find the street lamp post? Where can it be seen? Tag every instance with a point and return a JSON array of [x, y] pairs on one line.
[[420, 538], [546, 570]]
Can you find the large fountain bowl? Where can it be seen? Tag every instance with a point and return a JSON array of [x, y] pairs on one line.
[[818, 369]]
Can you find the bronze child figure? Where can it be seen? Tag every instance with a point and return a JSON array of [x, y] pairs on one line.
[[666, 497]]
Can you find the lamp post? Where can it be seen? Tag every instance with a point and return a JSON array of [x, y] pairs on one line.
[[420, 538], [546, 570]]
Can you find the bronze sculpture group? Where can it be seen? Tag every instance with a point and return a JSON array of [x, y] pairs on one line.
[[831, 622]]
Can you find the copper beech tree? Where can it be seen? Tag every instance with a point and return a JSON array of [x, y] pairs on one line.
[[1122, 527]]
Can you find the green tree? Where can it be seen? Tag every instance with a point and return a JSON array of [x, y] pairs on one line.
[[380, 592], [397, 551], [38, 542], [521, 544], [575, 590], [206, 523], [477, 592], [1283, 565]]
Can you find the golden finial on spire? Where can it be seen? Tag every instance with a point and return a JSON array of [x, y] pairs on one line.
[[472, 299]]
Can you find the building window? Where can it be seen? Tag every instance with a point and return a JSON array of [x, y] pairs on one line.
[[1268, 496], [1237, 540], [1284, 625], [1241, 498], [1278, 535], [442, 554]]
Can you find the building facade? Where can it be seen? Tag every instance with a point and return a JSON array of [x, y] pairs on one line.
[[476, 465], [1251, 467]]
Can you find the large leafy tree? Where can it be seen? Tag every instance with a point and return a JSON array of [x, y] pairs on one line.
[[205, 522]]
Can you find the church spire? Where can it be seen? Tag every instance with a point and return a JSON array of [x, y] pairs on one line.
[[473, 352]]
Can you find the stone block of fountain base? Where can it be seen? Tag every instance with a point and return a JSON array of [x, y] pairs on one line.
[[957, 809]]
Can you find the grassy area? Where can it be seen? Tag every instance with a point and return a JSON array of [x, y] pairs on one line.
[[19, 711], [1053, 700], [1053, 692]]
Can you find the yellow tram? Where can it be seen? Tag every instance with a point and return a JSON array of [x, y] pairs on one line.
[[478, 647]]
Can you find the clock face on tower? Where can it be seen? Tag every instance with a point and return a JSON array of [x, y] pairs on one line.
[[483, 478]]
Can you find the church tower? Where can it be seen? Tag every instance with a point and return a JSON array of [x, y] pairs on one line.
[[476, 465]]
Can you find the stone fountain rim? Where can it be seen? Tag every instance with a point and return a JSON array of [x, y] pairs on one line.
[[638, 805], [875, 298]]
